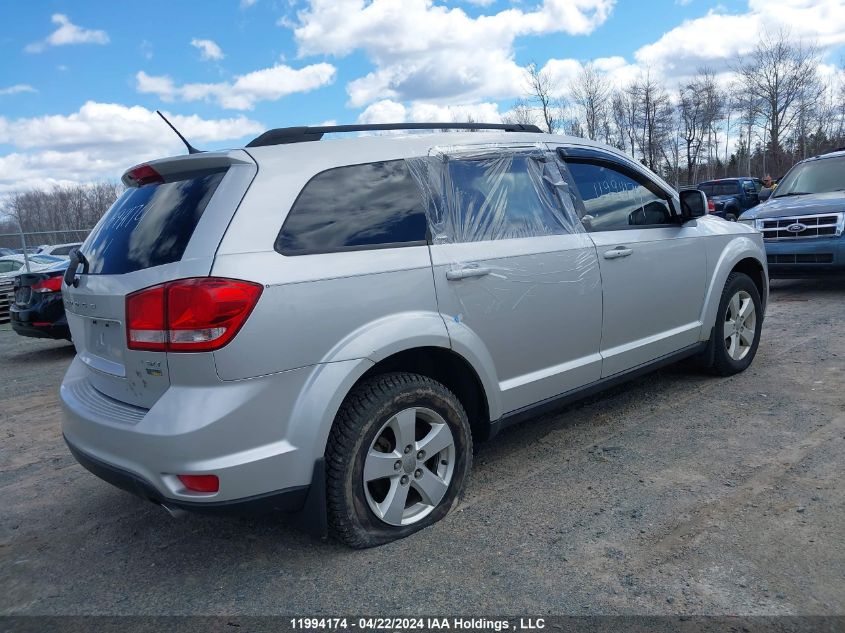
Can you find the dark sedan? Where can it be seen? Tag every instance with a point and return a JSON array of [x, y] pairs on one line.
[[38, 310]]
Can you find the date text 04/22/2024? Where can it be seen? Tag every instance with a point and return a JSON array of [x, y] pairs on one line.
[[467, 625]]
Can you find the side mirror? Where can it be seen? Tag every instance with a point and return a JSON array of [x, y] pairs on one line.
[[693, 204]]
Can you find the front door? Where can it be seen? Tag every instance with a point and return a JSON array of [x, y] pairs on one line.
[[653, 268]]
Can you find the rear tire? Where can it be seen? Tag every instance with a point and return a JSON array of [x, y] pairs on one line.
[[739, 321], [381, 484]]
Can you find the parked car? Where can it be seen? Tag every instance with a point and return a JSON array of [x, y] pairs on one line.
[[326, 326], [804, 220], [11, 265], [6, 251], [732, 196], [59, 250], [38, 309]]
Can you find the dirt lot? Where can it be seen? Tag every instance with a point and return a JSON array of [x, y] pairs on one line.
[[678, 493]]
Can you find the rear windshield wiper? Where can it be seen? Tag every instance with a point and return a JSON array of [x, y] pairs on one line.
[[70, 274]]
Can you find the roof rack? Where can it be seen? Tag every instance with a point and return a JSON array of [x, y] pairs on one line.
[[284, 135]]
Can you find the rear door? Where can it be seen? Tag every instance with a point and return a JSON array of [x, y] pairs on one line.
[[166, 227], [653, 269], [515, 274]]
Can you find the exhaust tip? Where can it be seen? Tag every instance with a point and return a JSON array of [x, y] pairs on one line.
[[176, 513]]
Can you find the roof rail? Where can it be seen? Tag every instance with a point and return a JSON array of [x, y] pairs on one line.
[[284, 135]]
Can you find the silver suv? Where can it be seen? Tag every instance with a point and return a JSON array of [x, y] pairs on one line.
[[325, 327]]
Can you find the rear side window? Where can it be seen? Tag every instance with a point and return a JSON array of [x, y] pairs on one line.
[[503, 196], [150, 225], [375, 205]]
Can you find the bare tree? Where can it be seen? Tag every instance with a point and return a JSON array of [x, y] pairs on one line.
[[775, 73], [541, 91], [651, 117], [521, 113], [590, 92], [61, 208], [623, 115]]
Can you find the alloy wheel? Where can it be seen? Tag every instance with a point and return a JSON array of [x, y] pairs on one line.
[[409, 466], [740, 325]]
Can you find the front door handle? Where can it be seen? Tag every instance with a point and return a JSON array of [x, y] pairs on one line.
[[616, 253], [467, 272]]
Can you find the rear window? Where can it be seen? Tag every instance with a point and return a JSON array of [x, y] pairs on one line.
[[719, 189], [375, 205], [150, 225]]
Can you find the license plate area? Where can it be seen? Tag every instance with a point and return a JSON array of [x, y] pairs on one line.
[[104, 343], [23, 296]]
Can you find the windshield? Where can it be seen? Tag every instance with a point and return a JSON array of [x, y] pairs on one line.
[[711, 189], [815, 176]]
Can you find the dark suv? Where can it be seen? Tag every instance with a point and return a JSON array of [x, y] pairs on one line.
[[732, 196]]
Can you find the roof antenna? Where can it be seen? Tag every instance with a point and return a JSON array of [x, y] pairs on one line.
[[191, 148]]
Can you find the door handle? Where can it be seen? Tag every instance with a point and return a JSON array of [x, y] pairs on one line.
[[619, 251], [467, 272]]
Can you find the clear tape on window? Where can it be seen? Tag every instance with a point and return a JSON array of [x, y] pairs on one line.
[[490, 194]]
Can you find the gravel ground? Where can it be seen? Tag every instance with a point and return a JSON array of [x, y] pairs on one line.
[[675, 494]]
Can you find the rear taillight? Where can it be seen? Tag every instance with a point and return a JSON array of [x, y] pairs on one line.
[[53, 284], [190, 315], [711, 206]]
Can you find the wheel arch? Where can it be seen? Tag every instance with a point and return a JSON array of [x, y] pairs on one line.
[[450, 369], [739, 255]]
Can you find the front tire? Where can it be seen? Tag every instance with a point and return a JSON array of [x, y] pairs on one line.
[[739, 322], [397, 459]]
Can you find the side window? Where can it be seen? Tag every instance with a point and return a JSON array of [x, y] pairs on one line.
[[615, 198], [504, 196], [374, 205], [749, 187]]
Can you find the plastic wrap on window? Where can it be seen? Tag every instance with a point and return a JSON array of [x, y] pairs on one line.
[[491, 193]]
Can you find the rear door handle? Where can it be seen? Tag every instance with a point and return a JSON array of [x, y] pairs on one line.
[[467, 272], [616, 253]]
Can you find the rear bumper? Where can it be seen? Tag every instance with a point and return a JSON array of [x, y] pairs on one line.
[[266, 452], [807, 257], [288, 500], [49, 326]]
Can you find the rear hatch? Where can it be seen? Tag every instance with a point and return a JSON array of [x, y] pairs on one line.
[[167, 225]]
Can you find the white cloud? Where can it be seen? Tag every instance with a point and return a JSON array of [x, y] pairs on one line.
[[716, 38], [432, 53], [268, 84], [67, 33], [387, 111], [101, 140], [246, 4], [17, 89], [209, 50]]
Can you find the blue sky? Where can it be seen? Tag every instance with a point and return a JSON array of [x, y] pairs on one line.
[[80, 80]]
